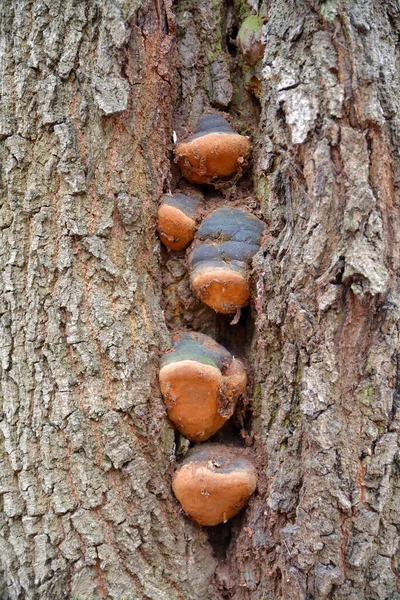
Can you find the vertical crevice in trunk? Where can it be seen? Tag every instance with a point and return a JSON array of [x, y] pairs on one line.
[[213, 79]]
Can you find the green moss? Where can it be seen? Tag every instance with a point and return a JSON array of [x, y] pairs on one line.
[[274, 408], [249, 41], [249, 25], [241, 9], [262, 192], [329, 9], [368, 395], [168, 442], [244, 131], [214, 55], [369, 366], [182, 446], [257, 391], [257, 396]]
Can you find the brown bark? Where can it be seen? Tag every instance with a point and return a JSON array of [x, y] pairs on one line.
[[91, 93]]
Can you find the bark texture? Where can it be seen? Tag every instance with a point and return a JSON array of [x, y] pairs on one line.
[[91, 92], [326, 524], [88, 512]]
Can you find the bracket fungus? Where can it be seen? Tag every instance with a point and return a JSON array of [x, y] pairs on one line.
[[220, 261], [200, 382], [215, 150], [176, 220], [214, 483]]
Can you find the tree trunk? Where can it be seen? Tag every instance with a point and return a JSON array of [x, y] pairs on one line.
[[91, 94]]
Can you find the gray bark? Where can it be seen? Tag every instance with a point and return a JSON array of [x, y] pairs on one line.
[[91, 92]]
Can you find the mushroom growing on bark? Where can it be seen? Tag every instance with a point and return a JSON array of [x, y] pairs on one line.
[[214, 483], [214, 151], [220, 261], [176, 220], [200, 382]]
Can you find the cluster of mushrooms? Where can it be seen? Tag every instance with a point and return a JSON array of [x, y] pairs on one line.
[[200, 380]]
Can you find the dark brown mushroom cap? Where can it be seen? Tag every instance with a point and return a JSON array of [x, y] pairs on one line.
[[231, 224], [211, 124], [215, 150], [220, 261], [214, 483], [176, 220], [190, 345], [200, 382]]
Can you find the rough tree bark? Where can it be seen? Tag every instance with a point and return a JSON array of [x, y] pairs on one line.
[[91, 92]]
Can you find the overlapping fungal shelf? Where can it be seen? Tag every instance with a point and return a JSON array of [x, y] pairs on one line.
[[214, 151], [214, 483], [176, 220], [220, 261], [201, 383]]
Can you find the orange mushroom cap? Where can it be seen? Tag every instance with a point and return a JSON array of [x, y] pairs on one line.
[[214, 151], [200, 382], [221, 287], [220, 259], [176, 220], [214, 483]]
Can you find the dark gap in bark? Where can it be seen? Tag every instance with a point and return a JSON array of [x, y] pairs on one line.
[[207, 190], [228, 434], [172, 182], [236, 338], [244, 110], [256, 107], [339, 276], [281, 114], [220, 537], [396, 394], [231, 41]]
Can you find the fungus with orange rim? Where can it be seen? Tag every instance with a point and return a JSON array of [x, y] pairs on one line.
[[200, 382], [176, 220], [214, 151], [220, 261], [214, 483]]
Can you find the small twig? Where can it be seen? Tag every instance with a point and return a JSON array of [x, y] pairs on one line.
[[236, 318]]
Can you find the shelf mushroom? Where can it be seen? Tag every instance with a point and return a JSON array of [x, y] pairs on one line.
[[176, 220], [214, 151], [214, 483], [225, 244], [200, 382]]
